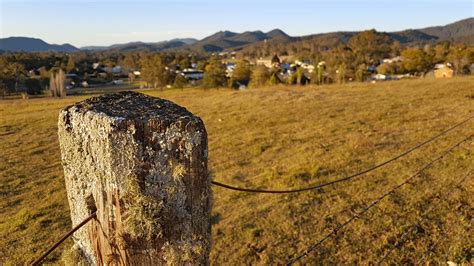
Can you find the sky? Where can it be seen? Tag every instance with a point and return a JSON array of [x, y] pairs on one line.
[[104, 22]]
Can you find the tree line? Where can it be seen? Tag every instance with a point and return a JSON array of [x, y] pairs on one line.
[[356, 59]]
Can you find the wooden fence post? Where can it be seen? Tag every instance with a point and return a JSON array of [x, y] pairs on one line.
[[141, 162]]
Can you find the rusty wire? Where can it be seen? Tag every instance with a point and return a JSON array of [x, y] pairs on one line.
[[432, 207], [318, 186], [346, 178], [374, 203], [64, 237]]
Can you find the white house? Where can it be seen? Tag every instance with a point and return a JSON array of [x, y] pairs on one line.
[[392, 60], [380, 77], [229, 69], [192, 74]]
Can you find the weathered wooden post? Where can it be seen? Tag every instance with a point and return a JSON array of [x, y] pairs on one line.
[[142, 163]]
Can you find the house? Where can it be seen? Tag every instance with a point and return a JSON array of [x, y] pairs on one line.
[[192, 74], [229, 69], [305, 65], [117, 70], [392, 60], [443, 70], [380, 77]]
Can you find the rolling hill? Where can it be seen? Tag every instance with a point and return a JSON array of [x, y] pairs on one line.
[[460, 31], [409, 36], [453, 31], [226, 39], [157, 46], [26, 44]]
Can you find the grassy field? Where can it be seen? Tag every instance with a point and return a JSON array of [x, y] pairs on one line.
[[281, 137]]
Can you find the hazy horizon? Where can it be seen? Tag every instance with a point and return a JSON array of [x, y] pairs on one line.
[[105, 22]]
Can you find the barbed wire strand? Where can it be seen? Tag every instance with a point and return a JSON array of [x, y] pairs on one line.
[[346, 178], [64, 237], [374, 203], [422, 217], [93, 215]]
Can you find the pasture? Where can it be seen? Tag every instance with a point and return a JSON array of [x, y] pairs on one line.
[[277, 138]]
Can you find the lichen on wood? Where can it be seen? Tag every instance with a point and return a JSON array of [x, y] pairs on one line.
[[142, 212], [143, 160]]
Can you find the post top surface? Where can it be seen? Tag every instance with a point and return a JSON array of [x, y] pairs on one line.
[[132, 105]]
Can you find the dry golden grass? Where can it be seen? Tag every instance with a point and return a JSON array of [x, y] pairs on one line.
[[280, 137]]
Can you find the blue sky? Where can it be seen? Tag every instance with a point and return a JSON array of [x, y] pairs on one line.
[[104, 22]]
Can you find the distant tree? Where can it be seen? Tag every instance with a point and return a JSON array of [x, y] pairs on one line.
[[71, 64], [459, 57], [180, 81], [318, 74], [184, 63], [3, 88], [214, 74], [274, 77], [57, 82], [395, 49], [276, 60], [370, 46], [415, 60], [154, 72], [440, 52], [3, 76], [361, 73], [386, 69], [301, 77], [16, 72], [260, 76], [241, 73], [130, 61], [33, 86], [341, 55], [470, 55], [202, 65], [44, 73], [131, 77], [341, 73]]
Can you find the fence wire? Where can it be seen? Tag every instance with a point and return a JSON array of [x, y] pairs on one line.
[[422, 217], [346, 178], [318, 186], [374, 203], [64, 237]]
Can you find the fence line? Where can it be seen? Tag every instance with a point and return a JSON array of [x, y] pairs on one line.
[[335, 231], [64, 237], [346, 178], [374, 203], [422, 217]]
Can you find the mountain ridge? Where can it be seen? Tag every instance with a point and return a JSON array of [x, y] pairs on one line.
[[184, 41], [459, 31], [28, 44]]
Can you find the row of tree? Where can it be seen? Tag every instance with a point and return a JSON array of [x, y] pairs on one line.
[[354, 59]]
